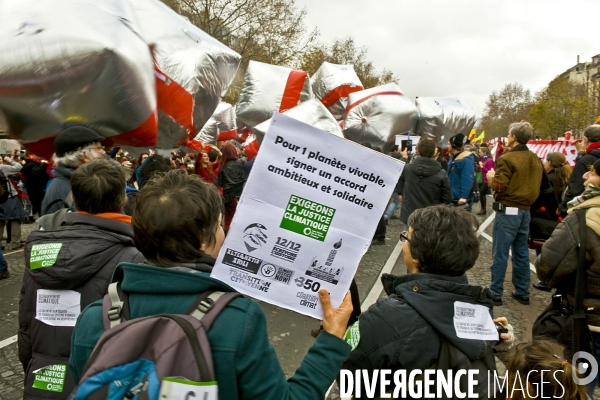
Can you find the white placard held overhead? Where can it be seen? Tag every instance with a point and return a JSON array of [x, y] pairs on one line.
[[307, 215]]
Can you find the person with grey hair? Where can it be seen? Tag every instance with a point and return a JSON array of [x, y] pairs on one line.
[[72, 266], [591, 144], [516, 184], [73, 147], [407, 330]]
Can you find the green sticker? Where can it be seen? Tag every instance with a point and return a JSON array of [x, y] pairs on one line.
[[353, 336], [44, 255], [307, 218], [50, 378]]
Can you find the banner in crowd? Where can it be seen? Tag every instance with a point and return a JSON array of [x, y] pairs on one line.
[[307, 216], [543, 147]]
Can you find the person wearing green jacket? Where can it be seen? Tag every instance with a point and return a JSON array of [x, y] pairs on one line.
[[177, 227]]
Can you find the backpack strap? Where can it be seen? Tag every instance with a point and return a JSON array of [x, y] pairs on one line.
[[115, 306], [209, 305], [67, 203]]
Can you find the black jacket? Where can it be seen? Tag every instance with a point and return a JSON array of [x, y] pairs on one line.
[[36, 175], [91, 248], [231, 178], [423, 183], [404, 330], [575, 183]]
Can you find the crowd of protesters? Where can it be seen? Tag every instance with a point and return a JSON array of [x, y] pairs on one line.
[[155, 224]]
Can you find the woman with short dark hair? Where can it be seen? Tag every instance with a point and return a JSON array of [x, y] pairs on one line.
[[405, 330]]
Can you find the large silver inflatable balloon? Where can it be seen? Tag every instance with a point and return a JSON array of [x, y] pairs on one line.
[[220, 126], [194, 70], [443, 117], [378, 114], [332, 83], [75, 62], [268, 89], [311, 112]]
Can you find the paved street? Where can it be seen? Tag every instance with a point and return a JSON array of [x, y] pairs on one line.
[[289, 332]]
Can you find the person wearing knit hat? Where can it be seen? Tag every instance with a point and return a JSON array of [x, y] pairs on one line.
[[591, 153], [73, 147], [461, 171]]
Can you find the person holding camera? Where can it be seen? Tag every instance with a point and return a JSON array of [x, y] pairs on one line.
[[12, 210], [516, 185]]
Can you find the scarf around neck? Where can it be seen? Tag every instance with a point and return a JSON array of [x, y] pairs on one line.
[[589, 192]]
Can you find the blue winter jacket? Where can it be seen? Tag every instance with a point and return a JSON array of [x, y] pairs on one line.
[[461, 173]]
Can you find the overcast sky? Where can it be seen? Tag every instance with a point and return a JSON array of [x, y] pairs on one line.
[[465, 48]]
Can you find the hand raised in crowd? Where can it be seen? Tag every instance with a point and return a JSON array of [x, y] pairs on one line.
[[335, 321], [404, 153], [7, 159], [580, 146]]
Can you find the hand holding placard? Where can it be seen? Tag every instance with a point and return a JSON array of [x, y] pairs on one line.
[[335, 321]]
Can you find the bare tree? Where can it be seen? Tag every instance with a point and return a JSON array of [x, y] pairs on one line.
[[564, 106], [344, 51], [511, 104]]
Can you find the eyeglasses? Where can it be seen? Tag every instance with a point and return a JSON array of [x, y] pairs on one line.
[[404, 237]]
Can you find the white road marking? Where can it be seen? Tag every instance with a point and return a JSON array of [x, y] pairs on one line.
[[488, 237], [8, 341]]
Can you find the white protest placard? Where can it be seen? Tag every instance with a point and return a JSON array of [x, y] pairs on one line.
[[58, 307], [306, 217]]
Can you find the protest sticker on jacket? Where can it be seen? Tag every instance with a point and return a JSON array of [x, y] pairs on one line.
[[306, 217], [473, 321], [50, 378], [58, 307], [44, 255]]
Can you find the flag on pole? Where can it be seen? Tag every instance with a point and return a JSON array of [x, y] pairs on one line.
[[472, 134], [481, 137]]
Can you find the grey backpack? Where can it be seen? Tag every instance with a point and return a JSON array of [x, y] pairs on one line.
[[156, 357], [49, 222]]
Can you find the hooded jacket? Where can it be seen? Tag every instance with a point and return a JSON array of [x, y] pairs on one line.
[[461, 174], [245, 363], [557, 264], [575, 183], [76, 262], [404, 330], [59, 188], [423, 183], [231, 178]]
